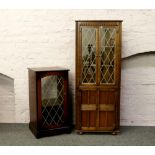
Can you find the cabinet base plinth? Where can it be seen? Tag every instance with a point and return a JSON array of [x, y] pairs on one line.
[[49, 132], [113, 132]]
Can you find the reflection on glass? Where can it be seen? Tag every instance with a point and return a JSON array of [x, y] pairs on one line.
[[88, 55], [107, 43], [52, 92]]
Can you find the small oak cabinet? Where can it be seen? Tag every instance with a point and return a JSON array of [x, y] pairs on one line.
[[48, 100], [98, 73]]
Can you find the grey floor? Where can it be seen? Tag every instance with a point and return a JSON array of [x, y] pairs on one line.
[[20, 135]]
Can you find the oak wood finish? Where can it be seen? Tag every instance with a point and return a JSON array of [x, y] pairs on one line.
[[98, 104], [36, 125]]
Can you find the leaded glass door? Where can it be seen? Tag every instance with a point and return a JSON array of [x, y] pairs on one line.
[[107, 37], [52, 93], [98, 55], [53, 100], [88, 55]]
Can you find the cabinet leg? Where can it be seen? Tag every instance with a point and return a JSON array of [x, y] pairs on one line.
[[79, 132], [115, 132]]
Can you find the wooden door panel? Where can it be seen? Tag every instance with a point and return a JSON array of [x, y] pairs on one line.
[[84, 97], [111, 118], [102, 119], [88, 109], [84, 118], [88, 119], [107, 108], [92, 117], [108, 98]]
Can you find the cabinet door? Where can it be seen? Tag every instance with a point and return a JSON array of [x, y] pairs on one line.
[[109, 55], [87, 78], [52, 100], [88, 105], [88, 61], [109, 77], [108, 107], [99, 56]]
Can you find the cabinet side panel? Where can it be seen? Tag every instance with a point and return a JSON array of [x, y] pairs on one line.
[[78, 93], [67, 105], [32, 98]]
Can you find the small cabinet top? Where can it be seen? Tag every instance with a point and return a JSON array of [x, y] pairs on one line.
[[42, 69], [99, 21]]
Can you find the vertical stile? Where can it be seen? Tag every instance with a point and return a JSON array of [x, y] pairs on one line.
[[88, 113]]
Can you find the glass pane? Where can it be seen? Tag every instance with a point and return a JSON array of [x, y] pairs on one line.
[[107, 42], [88, 55], [52, 92]]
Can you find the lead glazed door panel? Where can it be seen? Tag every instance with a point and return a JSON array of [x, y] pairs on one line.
[[52, 99], [98, 75]]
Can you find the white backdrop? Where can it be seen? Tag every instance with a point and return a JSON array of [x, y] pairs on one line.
[[34, 38]]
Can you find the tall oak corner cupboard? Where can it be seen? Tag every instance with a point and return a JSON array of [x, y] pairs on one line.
[[48, 100], [98, 73]]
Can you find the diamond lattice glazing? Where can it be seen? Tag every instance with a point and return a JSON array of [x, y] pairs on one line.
[[107, 37], [88, 55], [52, 100]]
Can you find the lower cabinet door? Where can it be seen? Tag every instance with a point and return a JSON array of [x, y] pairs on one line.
[[88, 109], [98, 110], [107, 110]]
